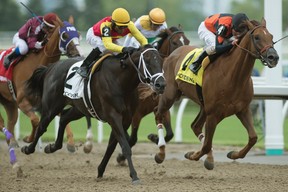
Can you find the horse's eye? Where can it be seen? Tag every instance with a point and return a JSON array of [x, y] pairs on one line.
[[256, 37], [64, 36]]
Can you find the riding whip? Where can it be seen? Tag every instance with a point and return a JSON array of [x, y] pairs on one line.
[[32, 13]]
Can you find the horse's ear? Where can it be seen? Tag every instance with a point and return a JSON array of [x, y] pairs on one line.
[[71, 20], [179, 26], [58, 22], [263, 22], [250, 24]]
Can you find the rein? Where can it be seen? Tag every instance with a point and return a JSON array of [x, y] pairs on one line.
[[147, 76], [258, 55]]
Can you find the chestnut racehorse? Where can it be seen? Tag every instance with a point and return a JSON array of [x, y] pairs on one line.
[[63, 40], [227, 89]]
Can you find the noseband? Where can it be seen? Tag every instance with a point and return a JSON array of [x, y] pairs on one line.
[[259, 51], [146, 77]]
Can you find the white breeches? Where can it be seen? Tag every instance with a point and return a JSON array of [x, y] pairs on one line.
[[208, 37], [21, 44]]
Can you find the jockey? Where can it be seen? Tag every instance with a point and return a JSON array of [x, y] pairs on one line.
[[31, 36], [104, 35], [150, 26], [219, 32]]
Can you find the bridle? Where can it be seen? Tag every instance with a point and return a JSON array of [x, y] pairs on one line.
[[146, 77], [259, 51]]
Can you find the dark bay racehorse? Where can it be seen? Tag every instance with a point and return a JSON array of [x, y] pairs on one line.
[[113, 94], [63, 40], [227, 89], [170, 39]]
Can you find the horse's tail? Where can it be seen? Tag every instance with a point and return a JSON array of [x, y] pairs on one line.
[[34, 86]]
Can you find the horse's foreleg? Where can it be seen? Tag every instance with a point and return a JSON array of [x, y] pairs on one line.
[[197, 126], [246, 119], [109, 151], [119, 125], [133, 137], [168, 127], [210, 127]]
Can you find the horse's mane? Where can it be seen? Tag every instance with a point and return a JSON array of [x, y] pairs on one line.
[[145, 91], [244, 27], [164, 34]]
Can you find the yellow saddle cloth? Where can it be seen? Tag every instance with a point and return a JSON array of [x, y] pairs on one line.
[[185, 74]]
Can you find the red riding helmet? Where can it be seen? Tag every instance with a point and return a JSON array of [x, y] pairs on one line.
[[49, 19]]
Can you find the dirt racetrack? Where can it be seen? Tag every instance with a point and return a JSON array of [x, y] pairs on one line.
[[77, 172]]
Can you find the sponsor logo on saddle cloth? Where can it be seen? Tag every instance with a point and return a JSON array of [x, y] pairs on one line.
[[74, 84], [185, 74]]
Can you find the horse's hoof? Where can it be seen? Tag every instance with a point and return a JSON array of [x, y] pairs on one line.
[[26, 150], [27, 139], [208, 165], [121, 159], [136, 182], [159, 159], [88, 147], [188, 155], [153, 137], [71, 148], [50, 148], [230, 155]]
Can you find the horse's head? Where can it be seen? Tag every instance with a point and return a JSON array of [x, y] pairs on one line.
[[261, 45], [148, 64], [67, 38], [171, 39]]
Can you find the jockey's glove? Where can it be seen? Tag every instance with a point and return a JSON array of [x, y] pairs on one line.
[[128, 50], [38, 45]]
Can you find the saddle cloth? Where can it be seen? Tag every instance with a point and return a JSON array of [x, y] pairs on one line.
[[185, 74], [6, 75], [74, 84]]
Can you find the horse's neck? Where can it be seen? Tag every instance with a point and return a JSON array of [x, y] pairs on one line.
[[239, 64], [51, 53]]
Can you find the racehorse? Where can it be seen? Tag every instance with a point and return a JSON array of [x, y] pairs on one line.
[[227, 89], [170, 39], [63, 40], [113, 95]]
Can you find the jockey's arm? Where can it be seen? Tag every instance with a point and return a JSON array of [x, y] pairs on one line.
[[137, 34], [109, 45]]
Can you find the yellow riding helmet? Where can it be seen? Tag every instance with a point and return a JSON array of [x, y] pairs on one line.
[[121, 17], [157, 16]]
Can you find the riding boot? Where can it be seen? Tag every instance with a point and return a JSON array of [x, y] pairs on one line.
[[195, 66], [93, 55], [10, 57]]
